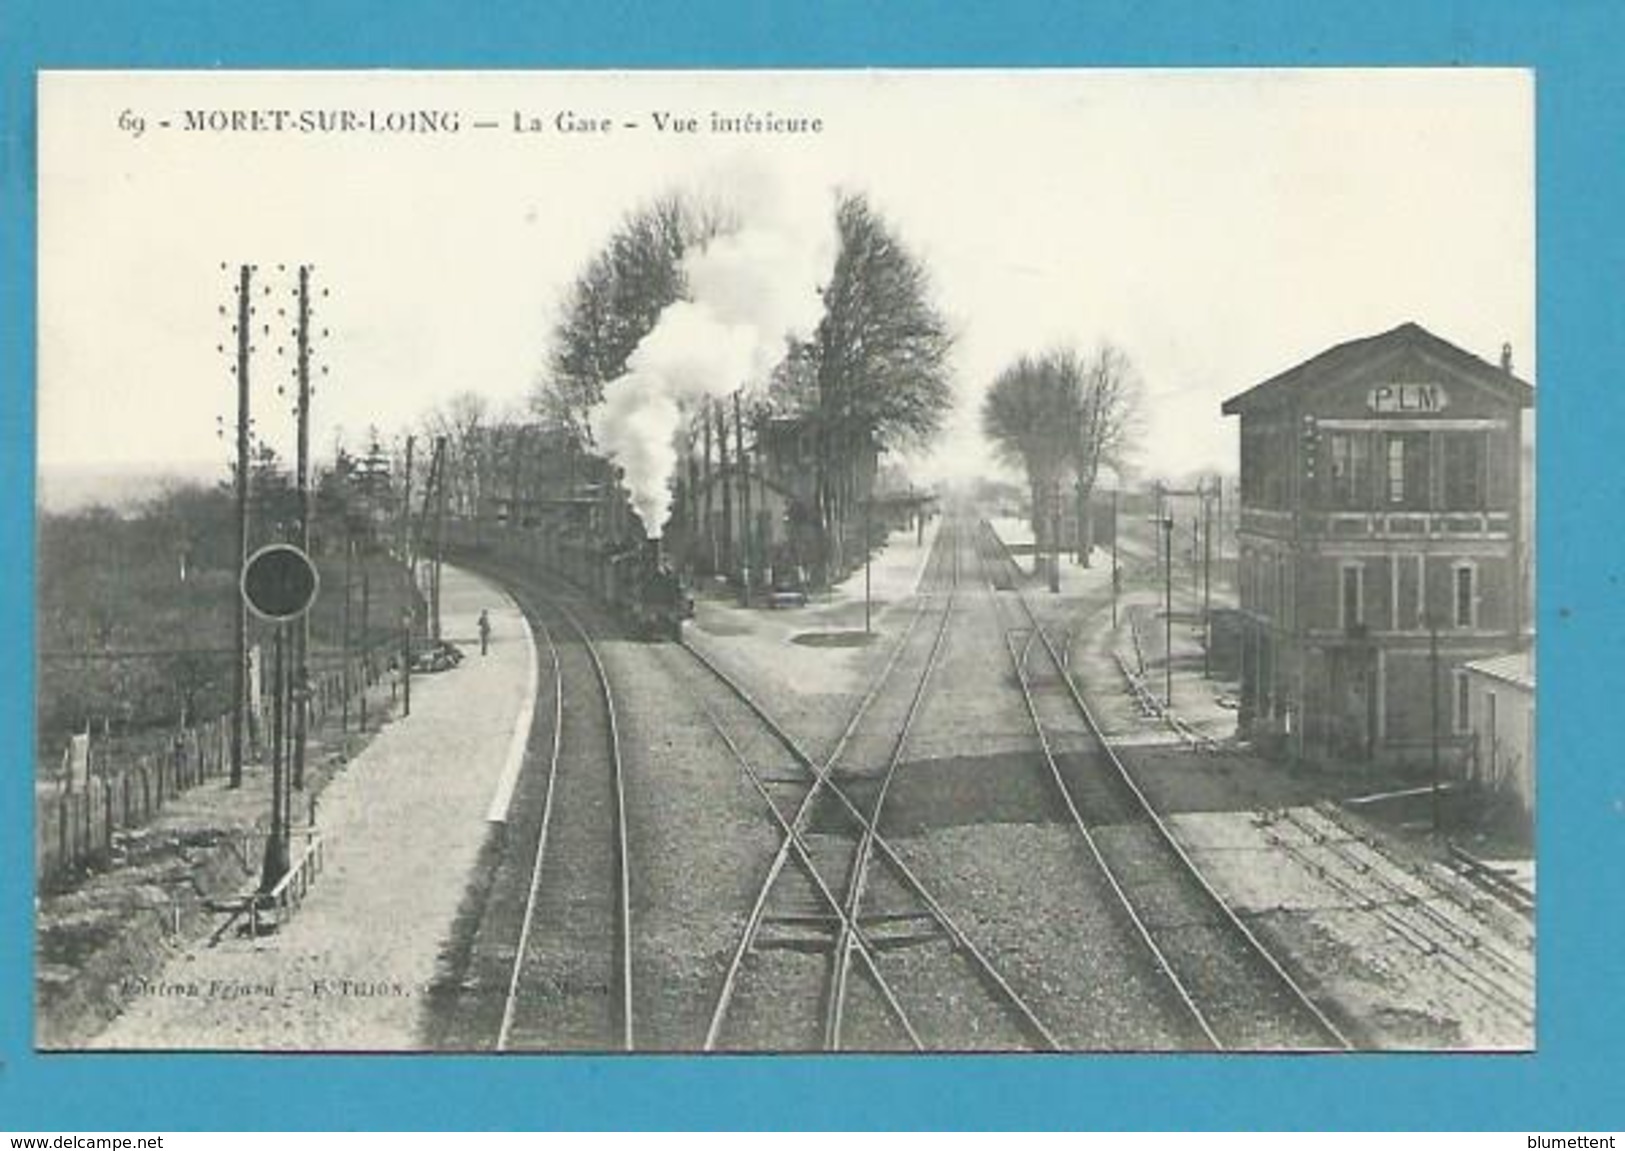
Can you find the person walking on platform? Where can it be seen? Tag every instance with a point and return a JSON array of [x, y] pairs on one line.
[[485, 630]]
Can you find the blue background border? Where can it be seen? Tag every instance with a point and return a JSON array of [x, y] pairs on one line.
[[1575, 1080]]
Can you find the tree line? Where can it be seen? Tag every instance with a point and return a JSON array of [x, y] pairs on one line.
[[872, 375], [1062, 417]]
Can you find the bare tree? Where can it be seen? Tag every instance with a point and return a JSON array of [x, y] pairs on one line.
[[1111, 398], [1058, 414], [464, 420], [1033, 413]]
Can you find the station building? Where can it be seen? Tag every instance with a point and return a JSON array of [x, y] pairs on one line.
[[1383, 545]]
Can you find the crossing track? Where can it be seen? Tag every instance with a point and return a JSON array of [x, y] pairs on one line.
[[891, 954], [1237, 995], [570, 986]]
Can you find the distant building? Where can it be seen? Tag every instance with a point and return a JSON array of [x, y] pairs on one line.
[[1501, 719], [779, 480], [1381, 490]]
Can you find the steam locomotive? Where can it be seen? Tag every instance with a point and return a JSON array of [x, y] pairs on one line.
[[652, 595], [633, 578]]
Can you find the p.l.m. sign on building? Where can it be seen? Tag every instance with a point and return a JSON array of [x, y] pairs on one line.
[[1384, 543]]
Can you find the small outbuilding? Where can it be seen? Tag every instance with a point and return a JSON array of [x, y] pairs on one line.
[[1500, 755]]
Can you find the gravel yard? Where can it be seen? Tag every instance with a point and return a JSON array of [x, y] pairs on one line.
[[1030, 898], [811, 687], [700, 838]]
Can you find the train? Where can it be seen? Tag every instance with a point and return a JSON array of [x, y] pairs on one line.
[[632, 578], [654, 597]]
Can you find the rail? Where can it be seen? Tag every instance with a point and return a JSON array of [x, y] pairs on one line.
[[622, 913], [1042, 1037], [1163, 832], [1494, 880], [1466, 954], [860, 868], [511, 996]]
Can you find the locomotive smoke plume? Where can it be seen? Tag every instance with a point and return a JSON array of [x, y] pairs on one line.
[[747, 292]]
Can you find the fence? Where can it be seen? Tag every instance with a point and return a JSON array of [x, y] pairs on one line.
[[74, 829]]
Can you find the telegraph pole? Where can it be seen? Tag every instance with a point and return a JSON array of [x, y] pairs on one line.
[[1196, 549], [344, 643], [439, 527], [1116, 573], [366, 651], [420, 534], [1055, 537], [727, 557], [299, 671], [514, 518], [744, 506], [1168, 609], [1165, 520], [240, 623], [406, 661], [1207, 586], [408, 547], [276, 848], [868, 531], [1433, 714]]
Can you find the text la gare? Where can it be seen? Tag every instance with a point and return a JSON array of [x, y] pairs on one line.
[[571, 123]]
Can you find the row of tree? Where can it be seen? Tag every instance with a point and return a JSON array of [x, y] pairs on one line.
[[135, 609], [872, 375], [1063, 418]]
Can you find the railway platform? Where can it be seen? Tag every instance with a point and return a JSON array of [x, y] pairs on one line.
[[403, 823]]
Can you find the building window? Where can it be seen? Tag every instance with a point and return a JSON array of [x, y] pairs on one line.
[[1422, 620], [1276, 465], [1350, 476], [1351, 609], [1253, 447], [1394, 619], [1464, 598], [1461, 714], [1406, 469], [1463, 461]]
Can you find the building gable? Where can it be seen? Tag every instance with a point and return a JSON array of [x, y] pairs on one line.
[[1407, 370]]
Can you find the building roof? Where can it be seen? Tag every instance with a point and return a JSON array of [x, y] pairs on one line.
[[1337, 360], [1517, 668]]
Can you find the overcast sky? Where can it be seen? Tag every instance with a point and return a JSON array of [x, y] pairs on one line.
[[1219, 226]]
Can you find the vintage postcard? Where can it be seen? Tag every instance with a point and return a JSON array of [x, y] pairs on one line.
[[801, 561]]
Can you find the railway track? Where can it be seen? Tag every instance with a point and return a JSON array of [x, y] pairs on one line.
[[874, 955], [1235, 993], [569, 986], [1440, 931]]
